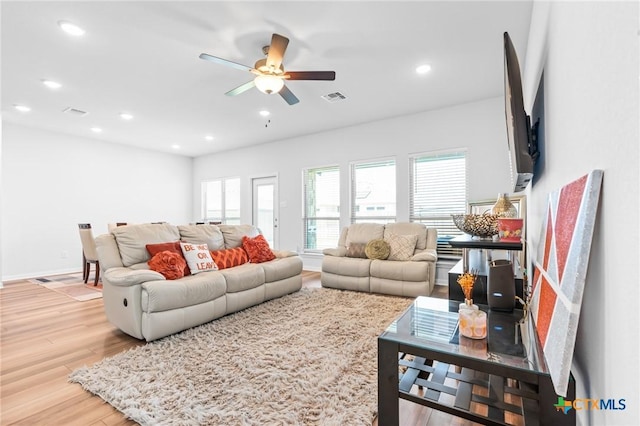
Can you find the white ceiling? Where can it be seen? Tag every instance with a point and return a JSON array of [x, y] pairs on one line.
[[142, 58]]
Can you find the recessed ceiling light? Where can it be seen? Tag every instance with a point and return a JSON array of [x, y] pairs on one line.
[[51, 84], [423, 69], [264, 113], [126, 116], [22, 108], [175, 146], [70, 28], [209, 137], [96, 129]]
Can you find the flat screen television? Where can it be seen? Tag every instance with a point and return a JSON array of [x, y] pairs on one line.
[[520, 138]]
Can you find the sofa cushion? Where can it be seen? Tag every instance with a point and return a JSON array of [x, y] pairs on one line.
[[133, 239], [408, 228], [233, 234], [174, 247], [357, 250], [349, 266], [170, 264], [202, 234], [243, 277], [400, 271], [363, 233], [377, 249], [158, 296], [198, 258], [281, 268], [229, 258], [257, 248], [401, 247]]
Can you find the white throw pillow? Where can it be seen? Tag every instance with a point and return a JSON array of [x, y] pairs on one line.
[[198, 258], [401, 247]]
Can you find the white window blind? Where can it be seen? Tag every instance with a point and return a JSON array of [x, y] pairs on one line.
[[373, 191], [438, 190], [221, 201], [321, 219]]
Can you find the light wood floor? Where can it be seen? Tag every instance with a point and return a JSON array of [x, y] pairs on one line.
[[46, 335]]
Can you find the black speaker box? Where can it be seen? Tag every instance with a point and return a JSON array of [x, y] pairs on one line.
[[501, 286]]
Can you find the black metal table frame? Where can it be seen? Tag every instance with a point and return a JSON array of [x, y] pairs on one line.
[[535, 388]]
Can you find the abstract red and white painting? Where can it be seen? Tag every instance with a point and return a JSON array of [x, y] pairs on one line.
[[560, 269]]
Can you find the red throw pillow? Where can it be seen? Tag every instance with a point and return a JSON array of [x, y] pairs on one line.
[[230, 257], [257, 248], [173, 247], [169, 264]]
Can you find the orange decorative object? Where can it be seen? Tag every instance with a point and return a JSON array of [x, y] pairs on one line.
[[510, 230], [257, 248], [230, 257], [466, 281], [171, 265], [173, 247]]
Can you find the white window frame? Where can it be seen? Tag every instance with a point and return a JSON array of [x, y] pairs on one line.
[[441, 220], [308, 247], [353, 190], [225, 217]]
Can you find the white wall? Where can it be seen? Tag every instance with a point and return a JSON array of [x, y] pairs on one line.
[[589, 53], [51, 182], [478, 126]]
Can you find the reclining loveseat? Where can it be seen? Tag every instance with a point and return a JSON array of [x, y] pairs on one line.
[[407, 266]]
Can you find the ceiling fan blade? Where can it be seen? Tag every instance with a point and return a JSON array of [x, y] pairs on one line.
[[217, 60], [241, 89], [288, 96], [276, 50], [310, 75]]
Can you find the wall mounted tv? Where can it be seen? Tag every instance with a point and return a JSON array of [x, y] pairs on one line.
[[521, 138]]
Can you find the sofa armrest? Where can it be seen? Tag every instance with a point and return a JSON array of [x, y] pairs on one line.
[[126, 277], [284, 253], [428, 255], [337, 252]]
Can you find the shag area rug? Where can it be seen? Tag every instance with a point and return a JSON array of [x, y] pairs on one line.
[[71, 285], [309, 358]]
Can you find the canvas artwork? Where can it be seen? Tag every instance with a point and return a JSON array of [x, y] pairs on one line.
[[560, 268]]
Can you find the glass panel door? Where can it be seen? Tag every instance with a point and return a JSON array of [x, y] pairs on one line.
[[265, 214]]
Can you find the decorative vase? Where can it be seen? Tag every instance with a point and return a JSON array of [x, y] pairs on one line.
[[510, 229], [504, 208]]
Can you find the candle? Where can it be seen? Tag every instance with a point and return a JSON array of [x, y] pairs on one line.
[[473, 323]]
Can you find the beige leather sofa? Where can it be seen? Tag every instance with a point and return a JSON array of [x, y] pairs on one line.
[[143, 304], [413, 277]]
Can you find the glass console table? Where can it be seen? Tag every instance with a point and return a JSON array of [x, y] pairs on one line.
[[500, 380]]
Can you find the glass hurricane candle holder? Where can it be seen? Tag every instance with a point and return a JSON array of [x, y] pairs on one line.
[[473, 323]]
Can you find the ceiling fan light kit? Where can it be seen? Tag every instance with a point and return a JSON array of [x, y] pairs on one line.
[[270, 73], [269, 84]]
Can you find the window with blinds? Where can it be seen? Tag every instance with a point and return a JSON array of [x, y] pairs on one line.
[[438, 190], [373, 191], [321, 219], [221, 201]]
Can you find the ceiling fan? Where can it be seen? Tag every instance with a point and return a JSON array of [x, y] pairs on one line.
[[270, 74]]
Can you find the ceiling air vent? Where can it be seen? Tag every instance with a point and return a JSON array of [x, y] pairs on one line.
[[74, 111], [334, 97]]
